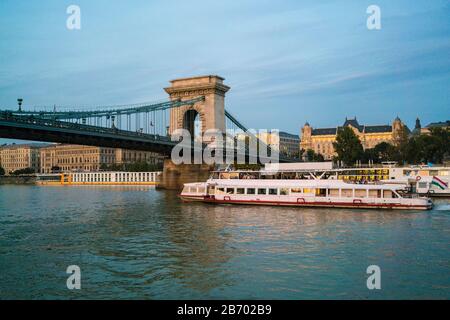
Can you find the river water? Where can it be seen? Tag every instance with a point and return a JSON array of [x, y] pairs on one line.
[[142, 243]]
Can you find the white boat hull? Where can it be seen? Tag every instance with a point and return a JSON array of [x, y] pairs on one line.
[[304, 202]]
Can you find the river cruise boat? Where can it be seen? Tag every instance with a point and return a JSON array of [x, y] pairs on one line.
[[255, 188]]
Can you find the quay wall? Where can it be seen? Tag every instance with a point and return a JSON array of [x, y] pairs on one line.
[[31, 179]]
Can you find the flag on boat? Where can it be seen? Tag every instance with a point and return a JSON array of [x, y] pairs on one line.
[[439, 183]]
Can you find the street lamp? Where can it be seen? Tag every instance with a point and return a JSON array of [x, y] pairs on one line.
[[19, 101]]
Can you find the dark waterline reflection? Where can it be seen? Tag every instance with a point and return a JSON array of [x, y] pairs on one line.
[[137, 242]]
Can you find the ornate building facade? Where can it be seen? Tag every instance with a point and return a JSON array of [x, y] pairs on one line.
[[321, 139], [19, 156], [68, 157]]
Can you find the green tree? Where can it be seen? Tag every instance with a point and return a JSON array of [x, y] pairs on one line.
[[433, 147], [312, 156], [2, 171], [401, 149], [23, 171], [382, 152], [347, 146]]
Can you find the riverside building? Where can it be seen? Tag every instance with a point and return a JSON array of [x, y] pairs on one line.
[[321, 139], [19, 156], [67, 158]]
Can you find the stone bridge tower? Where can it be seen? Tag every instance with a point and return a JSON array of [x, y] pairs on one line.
[[211, 111]]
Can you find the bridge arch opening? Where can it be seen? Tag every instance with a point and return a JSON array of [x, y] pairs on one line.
[[192, 121]]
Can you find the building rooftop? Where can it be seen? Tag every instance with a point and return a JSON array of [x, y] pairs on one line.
[[24, 145], [288, 135], [439, 124], [355, 124]]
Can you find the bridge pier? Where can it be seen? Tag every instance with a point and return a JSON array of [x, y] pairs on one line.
[[174, 176]]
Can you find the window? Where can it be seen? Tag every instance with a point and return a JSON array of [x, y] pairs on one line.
[[273, 191], [360, 193], [307, 190], [422, 185], [251, 190], [262, 191], [240, 191], [220, 190], [373, 193], [284, 191], [347, 193], [387, 194], [230, 190], [296, 190], [321, 192], [333, 192]]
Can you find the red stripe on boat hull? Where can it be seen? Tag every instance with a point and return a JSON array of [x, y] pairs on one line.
[[307, 204]]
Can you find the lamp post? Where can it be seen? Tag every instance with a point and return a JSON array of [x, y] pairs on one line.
[[19, 101]]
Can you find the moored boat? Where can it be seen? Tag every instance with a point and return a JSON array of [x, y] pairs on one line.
[[303, 193]]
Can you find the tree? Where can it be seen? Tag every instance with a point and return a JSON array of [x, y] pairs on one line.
[[433, 147], [348, 146], [23, 171], [2, 171], [140, 166], [311, 156], [381, 152], [401, 146]]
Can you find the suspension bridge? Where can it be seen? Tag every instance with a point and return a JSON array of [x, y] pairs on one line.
[[196, 104]]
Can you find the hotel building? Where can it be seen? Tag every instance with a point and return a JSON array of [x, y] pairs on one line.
[[321, 139], [19, 156], [68, 157]]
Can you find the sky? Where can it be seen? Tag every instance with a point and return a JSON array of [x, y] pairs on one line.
[[287, 61]]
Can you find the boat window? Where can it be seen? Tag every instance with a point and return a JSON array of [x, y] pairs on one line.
[[240, 191], [321, 192], [333, 192], [387, 194], [273, 191], [373, 193], [360, 193], [423, 185], [201, 190], [251, 190], [296, 190], [347, 193], [262, 191], [307, 190], [193, 189], [284, 191], [230, 190], [185, 189], [220, 190]]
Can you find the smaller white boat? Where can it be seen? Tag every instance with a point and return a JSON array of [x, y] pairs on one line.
[[304, 193]]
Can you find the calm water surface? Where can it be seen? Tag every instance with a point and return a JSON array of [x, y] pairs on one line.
[[140, 243]]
